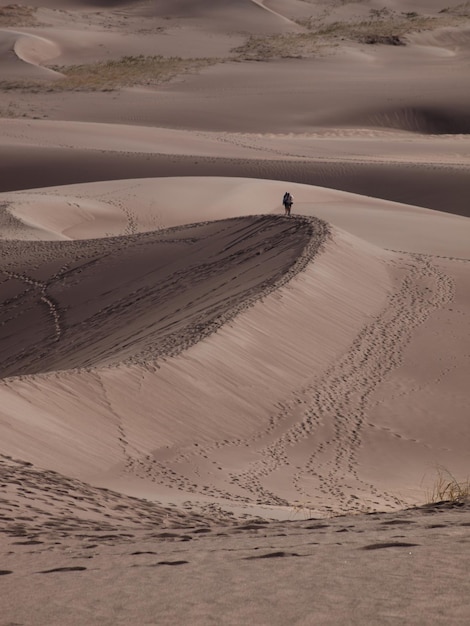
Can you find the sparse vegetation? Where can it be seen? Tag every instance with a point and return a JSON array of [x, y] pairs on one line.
[[113, 74], [383, 27], [16, 15], [10, 110], [292, 45], [462, 10], [380, 13], [305, 509], [125, 72], [20, 85], [448, 488]]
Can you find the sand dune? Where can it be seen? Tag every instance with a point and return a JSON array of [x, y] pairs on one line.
[[71, 535], [131, 301], [23, 56], [431, 172], [211, 412]]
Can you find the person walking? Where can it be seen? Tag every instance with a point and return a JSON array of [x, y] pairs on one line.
[[287, 201]]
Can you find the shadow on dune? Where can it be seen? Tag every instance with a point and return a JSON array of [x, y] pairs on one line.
[[223, 15], [426, 120], [70, 304], [441, 188]]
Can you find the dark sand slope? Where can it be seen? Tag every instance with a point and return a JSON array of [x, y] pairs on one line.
[[101, 302], [440, 187], [131, 300]]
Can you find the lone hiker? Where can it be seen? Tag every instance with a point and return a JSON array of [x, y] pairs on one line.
[[287, 201]]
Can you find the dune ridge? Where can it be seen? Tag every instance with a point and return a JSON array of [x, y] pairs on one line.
[[429, 171]]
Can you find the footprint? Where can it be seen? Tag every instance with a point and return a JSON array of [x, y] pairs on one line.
[[392, 544], [272, 555], [78, 568]]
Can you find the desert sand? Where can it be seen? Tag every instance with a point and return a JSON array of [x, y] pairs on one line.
[[210, 412]]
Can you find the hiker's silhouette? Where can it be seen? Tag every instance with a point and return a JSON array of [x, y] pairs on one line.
[[287, 201]]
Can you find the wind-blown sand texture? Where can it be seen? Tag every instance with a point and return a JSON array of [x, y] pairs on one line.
[[211, 413]]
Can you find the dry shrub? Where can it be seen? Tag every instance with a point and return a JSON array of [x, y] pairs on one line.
[[113, 74], [305, 509], [447, 488], [462, 10], [16, 15], [292, 45], [30, 86], [383, 27], [125, 72]]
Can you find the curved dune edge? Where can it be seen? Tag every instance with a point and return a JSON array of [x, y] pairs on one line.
[[36, 50], [23, 55], [125, 207]]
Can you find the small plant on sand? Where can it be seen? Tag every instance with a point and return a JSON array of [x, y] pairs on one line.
[[16, 15], [462, 10], [292, 45], [448, 488], [304, 509], [10, 110], [380, 13]]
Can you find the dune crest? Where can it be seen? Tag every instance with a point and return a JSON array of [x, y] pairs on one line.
[[23, 56]]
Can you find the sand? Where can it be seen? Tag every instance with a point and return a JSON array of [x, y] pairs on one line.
[[210, 412]]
